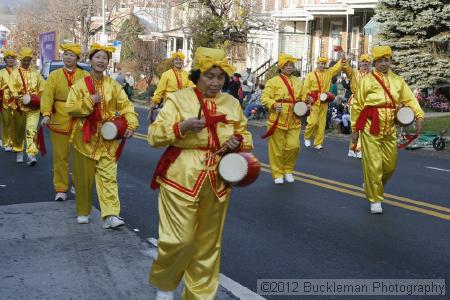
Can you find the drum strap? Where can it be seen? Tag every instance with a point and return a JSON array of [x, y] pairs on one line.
[[40, 141], [91, 123], [211, 120], [178, 78], [385, 88], [318, 82]]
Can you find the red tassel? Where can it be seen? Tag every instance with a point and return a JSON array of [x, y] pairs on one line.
[[168, 157], [41, 141], [272, 128], [120, 149], [152, 118]]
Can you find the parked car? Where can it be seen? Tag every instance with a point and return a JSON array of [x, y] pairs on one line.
[[53, 65], [2, 66]]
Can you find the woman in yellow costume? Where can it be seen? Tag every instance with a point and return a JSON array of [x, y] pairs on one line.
[[172, 80], [6, 112], [355, 77], [193, 199], [318, 82], [373, 120], [25, 81], [279, 96], [56, 118], [92, 101]]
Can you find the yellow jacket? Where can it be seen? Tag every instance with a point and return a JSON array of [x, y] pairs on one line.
[[187, 174], [4, 79], [354, 76], [54, 99], [311, 84], [274, 92], [371, 93], [169, 84], [34, 85], [79, 105]]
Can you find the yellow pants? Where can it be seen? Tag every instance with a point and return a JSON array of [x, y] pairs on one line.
[[31, 125], [189, 245], [6, 119], [61, 156], [104, 171], [317, 121], [284, 146], [378, 162], [18, 130]]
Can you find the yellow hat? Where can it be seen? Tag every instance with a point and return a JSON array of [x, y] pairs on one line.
[[97, 47], [180, 55], [206, 58], [25, 52], [283, 59], [74, 48], [322, 59], [364, 57], [381, 51], [11, 53]]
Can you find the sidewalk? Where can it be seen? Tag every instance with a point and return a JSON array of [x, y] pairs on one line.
[[45, 254]]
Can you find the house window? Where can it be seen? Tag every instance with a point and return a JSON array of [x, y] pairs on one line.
[[335, 38]]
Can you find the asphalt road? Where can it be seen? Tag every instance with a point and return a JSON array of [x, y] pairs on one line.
[[318, 227]]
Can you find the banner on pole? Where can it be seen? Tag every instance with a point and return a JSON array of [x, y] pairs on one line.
[[48, 46]]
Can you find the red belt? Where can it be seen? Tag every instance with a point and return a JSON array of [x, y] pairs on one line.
[[371, 112]]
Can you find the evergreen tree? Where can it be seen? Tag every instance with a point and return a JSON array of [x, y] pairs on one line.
[[130, 29], [418, 31]]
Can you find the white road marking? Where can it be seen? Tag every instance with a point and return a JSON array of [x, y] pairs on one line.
[[439, 169], [2, 185], [136, 230], [232, 286]]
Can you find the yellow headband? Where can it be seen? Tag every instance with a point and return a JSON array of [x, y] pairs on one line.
[[97, 47], [11, 53], [381, 51], [25, 52], [365, 57], [180, 55], [74, 48], [283, 59], [207, 58], [322, 59]]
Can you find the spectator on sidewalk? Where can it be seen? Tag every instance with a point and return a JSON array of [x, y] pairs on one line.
[[248, 84], [235, 87], [333, 86], [129, 84], [255, 101]]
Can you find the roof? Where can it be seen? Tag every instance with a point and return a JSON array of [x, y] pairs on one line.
[[371, 27]]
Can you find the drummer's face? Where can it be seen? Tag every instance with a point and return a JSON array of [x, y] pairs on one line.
[[383, 64], [26, 62], [288, 68], [321, 65], [211, 82], [178, 63], [365, 66], [10, 61]]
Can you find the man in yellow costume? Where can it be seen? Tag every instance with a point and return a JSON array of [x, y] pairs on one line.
[[24, 82], [94, 100], [193, 199], [355, 77], [56, 118], [6, 112], [172, 80], [378, 96], [279, 96], [318, 82]]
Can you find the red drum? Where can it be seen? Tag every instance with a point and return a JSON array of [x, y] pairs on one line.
[[239, 169], [405, 116], [326, 97], [33, 101], [114, 128], [300, 109]]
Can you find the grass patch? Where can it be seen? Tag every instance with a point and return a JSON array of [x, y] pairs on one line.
[[436, 125]]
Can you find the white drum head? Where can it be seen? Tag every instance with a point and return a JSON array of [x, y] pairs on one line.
[[233, 168], [26, 99], [323, 97], [109, 131], [405, 116], [300, 109]]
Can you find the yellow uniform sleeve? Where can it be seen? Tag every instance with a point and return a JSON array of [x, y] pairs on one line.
[[407, 98], [161, 89], [161, 131], [240, 127], [79, 103], [48, 95], [268, 95], [334, 70], [358, 101], [125, 107], [307, 86]]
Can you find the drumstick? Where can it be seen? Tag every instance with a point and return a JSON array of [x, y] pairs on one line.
[[199, 115], [215, 153]]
